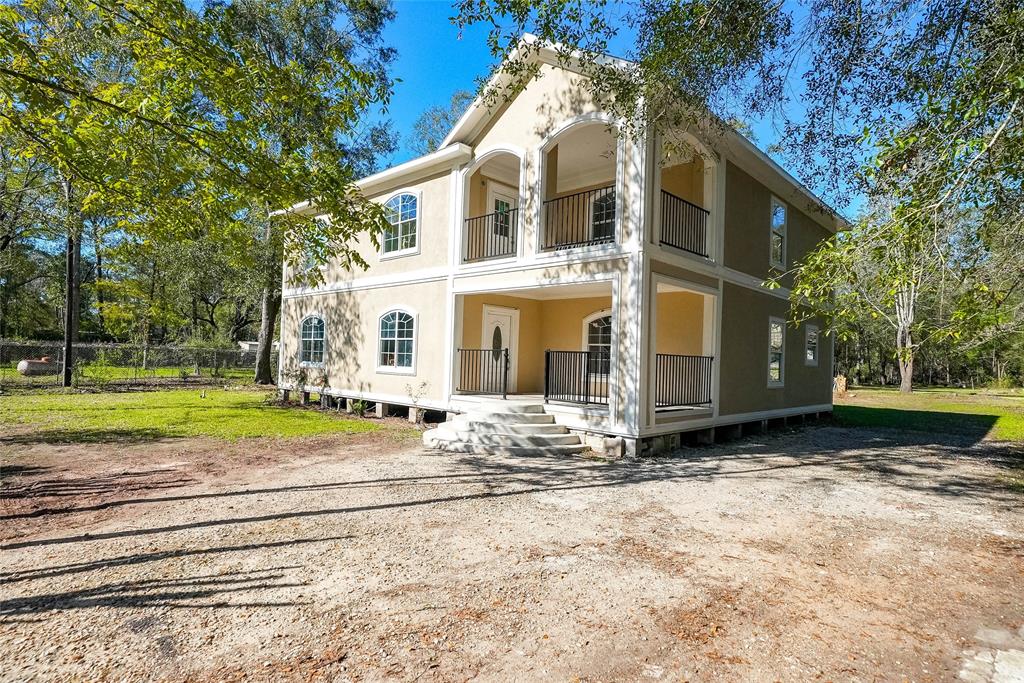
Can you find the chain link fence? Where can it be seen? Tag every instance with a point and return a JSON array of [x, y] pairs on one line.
[[39, 364]]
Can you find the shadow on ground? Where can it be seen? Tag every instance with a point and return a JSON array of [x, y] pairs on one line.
[[911, 461]]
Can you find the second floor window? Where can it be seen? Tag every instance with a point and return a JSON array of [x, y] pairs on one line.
[[778, 225], [403, 214], [312, 341]]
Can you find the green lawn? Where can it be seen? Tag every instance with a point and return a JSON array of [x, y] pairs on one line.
[[983, 414], [140, 415]]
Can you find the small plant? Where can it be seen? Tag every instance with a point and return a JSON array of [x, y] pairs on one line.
[[359, 407], [415, 394]]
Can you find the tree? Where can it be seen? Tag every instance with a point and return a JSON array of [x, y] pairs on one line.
[[434, 124], [171, 116], [865, 93]]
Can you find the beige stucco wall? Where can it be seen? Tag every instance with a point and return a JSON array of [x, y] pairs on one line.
[[685, 180], [351, 333], [747, 231], [744, 357], [680, 323], [434, 228]]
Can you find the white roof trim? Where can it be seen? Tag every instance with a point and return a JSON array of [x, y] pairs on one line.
[[441, 160]]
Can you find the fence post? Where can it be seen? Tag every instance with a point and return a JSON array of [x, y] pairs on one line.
[[547, 372]]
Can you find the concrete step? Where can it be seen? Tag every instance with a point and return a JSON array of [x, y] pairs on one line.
[[489, 449], [497, 439], [506, 418], [508, 407], [500, 428]]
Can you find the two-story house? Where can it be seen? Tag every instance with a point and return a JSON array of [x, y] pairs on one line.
[[599, 286]]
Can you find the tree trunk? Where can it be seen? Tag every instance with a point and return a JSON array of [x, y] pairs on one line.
[[905, 357], [270, 304], [70, 288]]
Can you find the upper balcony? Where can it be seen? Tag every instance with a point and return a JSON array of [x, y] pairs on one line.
[[580, 206], [683, 220], [491, 230]]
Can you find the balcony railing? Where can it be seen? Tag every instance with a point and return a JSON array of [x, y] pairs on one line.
[[682, 381], [491, 236], [580, 219], [483, 371], [684, 225], [576, 376]]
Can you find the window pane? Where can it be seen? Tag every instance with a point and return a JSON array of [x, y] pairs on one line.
[[776, 248], [775, 367], [776, 335], [778, 216]]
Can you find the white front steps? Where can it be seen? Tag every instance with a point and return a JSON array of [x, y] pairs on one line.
[[505, 429]]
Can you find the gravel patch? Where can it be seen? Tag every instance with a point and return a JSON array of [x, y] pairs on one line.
[[821, 553]]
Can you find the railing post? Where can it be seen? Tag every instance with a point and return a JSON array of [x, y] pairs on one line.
[[586, 378], [547, 373], [504, 374]]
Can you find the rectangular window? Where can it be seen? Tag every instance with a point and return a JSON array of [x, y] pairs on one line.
[[811, 346], [776, 351], [778, 234]]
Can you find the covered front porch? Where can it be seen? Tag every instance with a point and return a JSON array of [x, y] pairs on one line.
[[566, 345], [550, 344]]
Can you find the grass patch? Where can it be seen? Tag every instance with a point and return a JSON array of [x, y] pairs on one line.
[[222, 414], [997, 415]]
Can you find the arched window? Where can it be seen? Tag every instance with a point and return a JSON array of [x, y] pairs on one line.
[[397, 334], [403, 213], [598, 341], [311, 339]]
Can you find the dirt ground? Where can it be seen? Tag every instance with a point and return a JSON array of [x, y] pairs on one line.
[[824, 553]]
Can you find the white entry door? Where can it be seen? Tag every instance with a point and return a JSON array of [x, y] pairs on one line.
[[500, 331], [502, 201]]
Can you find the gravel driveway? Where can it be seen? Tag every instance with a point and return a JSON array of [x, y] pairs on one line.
[[821, 553]]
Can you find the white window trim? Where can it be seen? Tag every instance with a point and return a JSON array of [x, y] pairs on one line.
[[781, 265], [309, 363], [772, 384], [411, 251], [394, 370], [817, 345]]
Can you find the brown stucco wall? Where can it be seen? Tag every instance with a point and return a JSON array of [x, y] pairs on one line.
[[747, 233], [744, 357]]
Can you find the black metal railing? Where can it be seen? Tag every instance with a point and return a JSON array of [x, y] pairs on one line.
[[576, 376], [684, 225], [491, 236], [682, 380], [580, 219], [483, 371]]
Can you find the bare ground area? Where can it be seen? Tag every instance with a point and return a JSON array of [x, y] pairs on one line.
[[825, 553]]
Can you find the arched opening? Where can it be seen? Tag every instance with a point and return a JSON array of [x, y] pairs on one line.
[[492, 227], [580, 203]]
